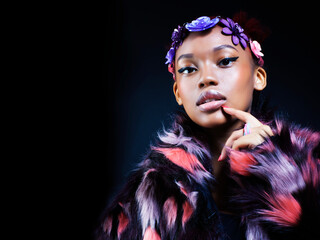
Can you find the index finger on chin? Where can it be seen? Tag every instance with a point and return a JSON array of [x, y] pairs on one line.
[[242, 115]]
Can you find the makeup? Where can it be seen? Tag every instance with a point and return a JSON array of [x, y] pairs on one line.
[[210, 101]]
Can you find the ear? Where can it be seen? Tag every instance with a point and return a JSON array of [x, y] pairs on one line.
[[260, 81], [176, 93]]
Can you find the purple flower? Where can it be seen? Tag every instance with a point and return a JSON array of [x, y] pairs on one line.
[[201, 24], [170, 55], [236, 31], [178, 35]]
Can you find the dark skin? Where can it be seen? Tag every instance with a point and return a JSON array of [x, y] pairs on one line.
[[209, 60]]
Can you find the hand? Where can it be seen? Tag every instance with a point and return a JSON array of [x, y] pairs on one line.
[[237, 140]]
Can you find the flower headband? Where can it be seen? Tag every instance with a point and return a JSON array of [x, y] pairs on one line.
[[204, 23]]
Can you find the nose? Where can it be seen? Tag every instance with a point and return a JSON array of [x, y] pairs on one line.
[[207, 77]]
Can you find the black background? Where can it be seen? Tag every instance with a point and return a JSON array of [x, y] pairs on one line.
[[110, 92]]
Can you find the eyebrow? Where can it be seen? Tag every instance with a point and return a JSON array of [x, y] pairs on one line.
[[188, 55], [216, 49]]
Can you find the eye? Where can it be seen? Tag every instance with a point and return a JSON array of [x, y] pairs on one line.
[[187, 70], [227, 62]]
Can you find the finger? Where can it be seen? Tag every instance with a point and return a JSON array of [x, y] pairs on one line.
[[248, 141], [243, 116], [265, 131], [234, 136], [259, 130], [268, 130]]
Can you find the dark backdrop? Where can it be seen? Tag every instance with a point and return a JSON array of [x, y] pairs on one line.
[[118, 93]]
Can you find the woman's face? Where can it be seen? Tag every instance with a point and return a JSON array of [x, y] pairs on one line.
[[210, 72]]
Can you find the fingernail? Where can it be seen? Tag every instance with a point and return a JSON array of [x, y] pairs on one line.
[[225, 106], [220, 158]]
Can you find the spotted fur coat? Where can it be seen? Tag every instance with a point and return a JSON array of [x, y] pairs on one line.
[[169, 196]]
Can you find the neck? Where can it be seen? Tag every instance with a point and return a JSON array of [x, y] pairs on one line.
[[217, 138]]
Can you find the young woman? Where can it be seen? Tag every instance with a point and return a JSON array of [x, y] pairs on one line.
[[221, 171]]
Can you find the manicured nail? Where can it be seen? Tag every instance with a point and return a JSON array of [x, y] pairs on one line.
[[225, 106], [220, 158]]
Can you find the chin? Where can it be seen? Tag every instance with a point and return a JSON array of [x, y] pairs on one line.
[[211, 120]]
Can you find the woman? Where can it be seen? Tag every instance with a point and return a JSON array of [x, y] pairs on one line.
[[221, 172]]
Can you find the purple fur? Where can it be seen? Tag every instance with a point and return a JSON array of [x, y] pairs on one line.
[[279, 198], [148, 208], [170, 138]]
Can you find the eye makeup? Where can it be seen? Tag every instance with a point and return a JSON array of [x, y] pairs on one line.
[[187, 70], [226, 62]]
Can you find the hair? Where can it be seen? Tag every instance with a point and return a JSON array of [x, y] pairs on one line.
[[252, 28]]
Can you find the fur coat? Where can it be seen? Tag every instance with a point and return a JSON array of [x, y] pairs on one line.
[[276, 188]]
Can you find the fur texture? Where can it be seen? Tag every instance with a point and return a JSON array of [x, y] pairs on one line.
[[276, 188]]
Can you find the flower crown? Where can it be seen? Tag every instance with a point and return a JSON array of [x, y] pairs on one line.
[[204, 23]]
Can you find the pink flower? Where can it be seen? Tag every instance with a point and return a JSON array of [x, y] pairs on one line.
[[256, 49]]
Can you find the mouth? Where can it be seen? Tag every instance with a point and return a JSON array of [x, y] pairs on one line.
[[210, 100]]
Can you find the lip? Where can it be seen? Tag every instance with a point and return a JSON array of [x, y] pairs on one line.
[[210, 100]]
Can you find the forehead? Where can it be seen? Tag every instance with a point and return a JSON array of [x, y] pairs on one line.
[[202, 42]]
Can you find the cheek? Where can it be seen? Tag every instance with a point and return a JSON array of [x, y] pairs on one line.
[[238, 86], [187, 92], [188, 95]]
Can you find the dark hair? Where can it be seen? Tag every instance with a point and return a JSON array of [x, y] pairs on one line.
[[252, 28]]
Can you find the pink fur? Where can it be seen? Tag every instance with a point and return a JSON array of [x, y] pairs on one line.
[[181, 158], [170, 209], [281, 192], [149, 210], [285, 210], [123, 223], [240, 162], [173, 139], [107, 225], [192, 196], [310, 171], [151, 234], [149, 171], [182, 188], [187, 212]]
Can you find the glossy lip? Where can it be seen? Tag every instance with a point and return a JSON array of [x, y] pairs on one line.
[[210, 100]]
